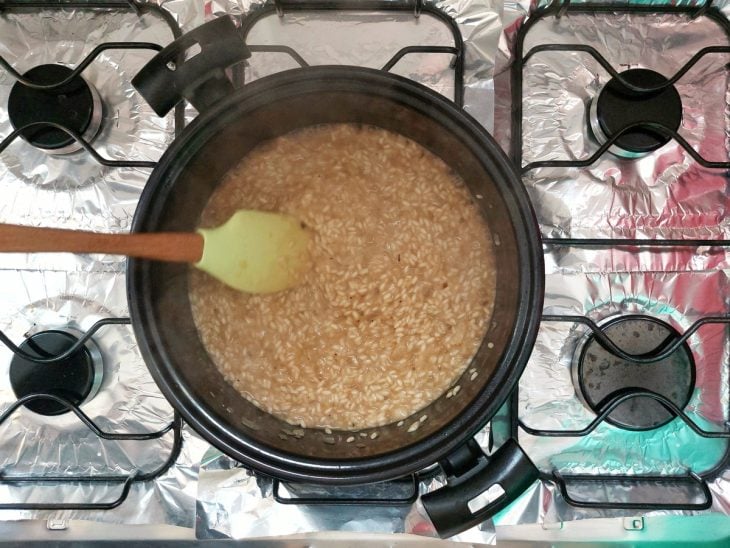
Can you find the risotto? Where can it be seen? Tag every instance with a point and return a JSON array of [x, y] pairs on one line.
[[399, 295]]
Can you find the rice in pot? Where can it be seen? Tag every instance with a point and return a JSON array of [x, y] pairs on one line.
[[399, 295]]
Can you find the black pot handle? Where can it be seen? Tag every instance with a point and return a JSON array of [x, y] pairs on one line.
[[471, 476], [201, 79]]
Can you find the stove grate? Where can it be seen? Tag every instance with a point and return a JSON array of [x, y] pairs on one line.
[[699, 481], [521, 58], [126, 481], [174, 428], [280, 7]]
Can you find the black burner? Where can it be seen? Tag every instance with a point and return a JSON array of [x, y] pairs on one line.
[[618, 107], [76, 106], [73, 378], [599, 375]]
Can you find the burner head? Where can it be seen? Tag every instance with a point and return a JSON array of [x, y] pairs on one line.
[[617, 107], [599, 375], [76, 378], [76, 106]]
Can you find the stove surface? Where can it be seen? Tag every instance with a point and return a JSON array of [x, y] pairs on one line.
[[90, 178], [624, 403], [98, 433], [644, 184]]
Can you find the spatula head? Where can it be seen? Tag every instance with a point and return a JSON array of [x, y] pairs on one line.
[[257, 251]]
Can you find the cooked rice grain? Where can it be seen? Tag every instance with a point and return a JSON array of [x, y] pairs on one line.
[[399, 296]]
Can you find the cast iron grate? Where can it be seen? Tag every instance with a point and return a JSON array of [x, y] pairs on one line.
[[417, 8], [126, 481], [700, 481], [139, 7], [174, 428]]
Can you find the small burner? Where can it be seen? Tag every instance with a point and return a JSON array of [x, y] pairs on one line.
[[76, 106], [617, 107], [598, 375], [76, 378]]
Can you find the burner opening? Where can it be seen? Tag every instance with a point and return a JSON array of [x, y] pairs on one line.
[[616, 107], [598, 375], [76, 378], [76, 106]]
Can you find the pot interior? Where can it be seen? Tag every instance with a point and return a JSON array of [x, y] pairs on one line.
[[180, 192]]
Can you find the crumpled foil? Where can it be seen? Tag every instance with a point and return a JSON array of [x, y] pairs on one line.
[[232, 502], [41, 291], [663, 195], [370, 39], [235, 503], [45, 291]]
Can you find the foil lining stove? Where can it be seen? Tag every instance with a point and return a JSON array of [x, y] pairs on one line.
[[77, 144], [618, 121], [609, 441], [84, 432]]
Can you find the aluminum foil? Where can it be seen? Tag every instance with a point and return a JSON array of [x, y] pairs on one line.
[[45, 291], [370, 39], [232, 502], [663, 195], [666, 194]]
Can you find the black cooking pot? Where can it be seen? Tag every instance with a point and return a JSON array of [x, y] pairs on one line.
[[230, 124]]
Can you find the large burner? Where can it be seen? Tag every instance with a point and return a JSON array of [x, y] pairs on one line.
[[599, 376], [76, 378], [76, 106], [617, 107]]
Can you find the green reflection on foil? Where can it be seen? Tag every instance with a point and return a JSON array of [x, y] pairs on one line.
[[671, 449]]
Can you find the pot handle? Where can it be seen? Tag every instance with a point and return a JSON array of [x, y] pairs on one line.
[[478, 486], [169, 77]]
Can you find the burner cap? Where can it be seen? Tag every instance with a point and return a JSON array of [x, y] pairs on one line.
[[599, 375], [617, 107], [76, 378], [76, 105]]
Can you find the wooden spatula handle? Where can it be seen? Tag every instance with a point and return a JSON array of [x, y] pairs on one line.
[[184, 247]]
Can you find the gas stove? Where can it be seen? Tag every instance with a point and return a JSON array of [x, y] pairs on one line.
[[617, 118], [619, 127], [83, 427]]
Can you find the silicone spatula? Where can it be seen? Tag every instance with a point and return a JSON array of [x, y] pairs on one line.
[[254, 251]]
